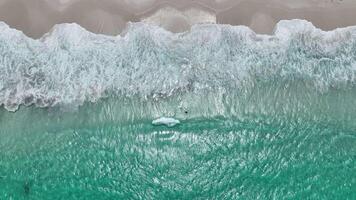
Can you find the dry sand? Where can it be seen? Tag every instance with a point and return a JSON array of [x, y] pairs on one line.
[[36, 17]]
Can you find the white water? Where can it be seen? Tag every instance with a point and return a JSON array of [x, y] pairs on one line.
[[167, 121], [70, 65]]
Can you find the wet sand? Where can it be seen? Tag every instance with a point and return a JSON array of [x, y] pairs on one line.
[[36, 17]]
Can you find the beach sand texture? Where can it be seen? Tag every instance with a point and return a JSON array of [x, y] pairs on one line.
[[37, 17]]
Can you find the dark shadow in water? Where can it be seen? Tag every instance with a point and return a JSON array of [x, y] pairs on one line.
[[27, 188]]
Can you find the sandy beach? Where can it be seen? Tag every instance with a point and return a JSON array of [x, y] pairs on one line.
[[36, 17]]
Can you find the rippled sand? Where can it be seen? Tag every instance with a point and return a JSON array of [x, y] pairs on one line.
[[36, 17]]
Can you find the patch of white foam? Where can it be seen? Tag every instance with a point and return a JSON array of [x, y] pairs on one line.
[[170, 122]]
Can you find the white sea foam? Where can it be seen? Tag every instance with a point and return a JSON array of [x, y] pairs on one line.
[[70, 65], [167, 121]]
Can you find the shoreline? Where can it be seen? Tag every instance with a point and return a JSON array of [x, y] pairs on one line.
[[110, 17]]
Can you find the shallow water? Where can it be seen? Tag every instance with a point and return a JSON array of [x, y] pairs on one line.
[[87, 154]]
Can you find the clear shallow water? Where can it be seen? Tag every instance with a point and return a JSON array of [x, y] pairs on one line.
[[88, 154]]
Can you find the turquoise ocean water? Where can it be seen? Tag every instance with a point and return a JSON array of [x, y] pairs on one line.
[[261, 117]]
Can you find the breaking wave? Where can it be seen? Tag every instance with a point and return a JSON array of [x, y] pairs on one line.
[[71, 66]]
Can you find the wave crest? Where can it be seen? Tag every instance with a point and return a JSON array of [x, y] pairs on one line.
[[70, 65]]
